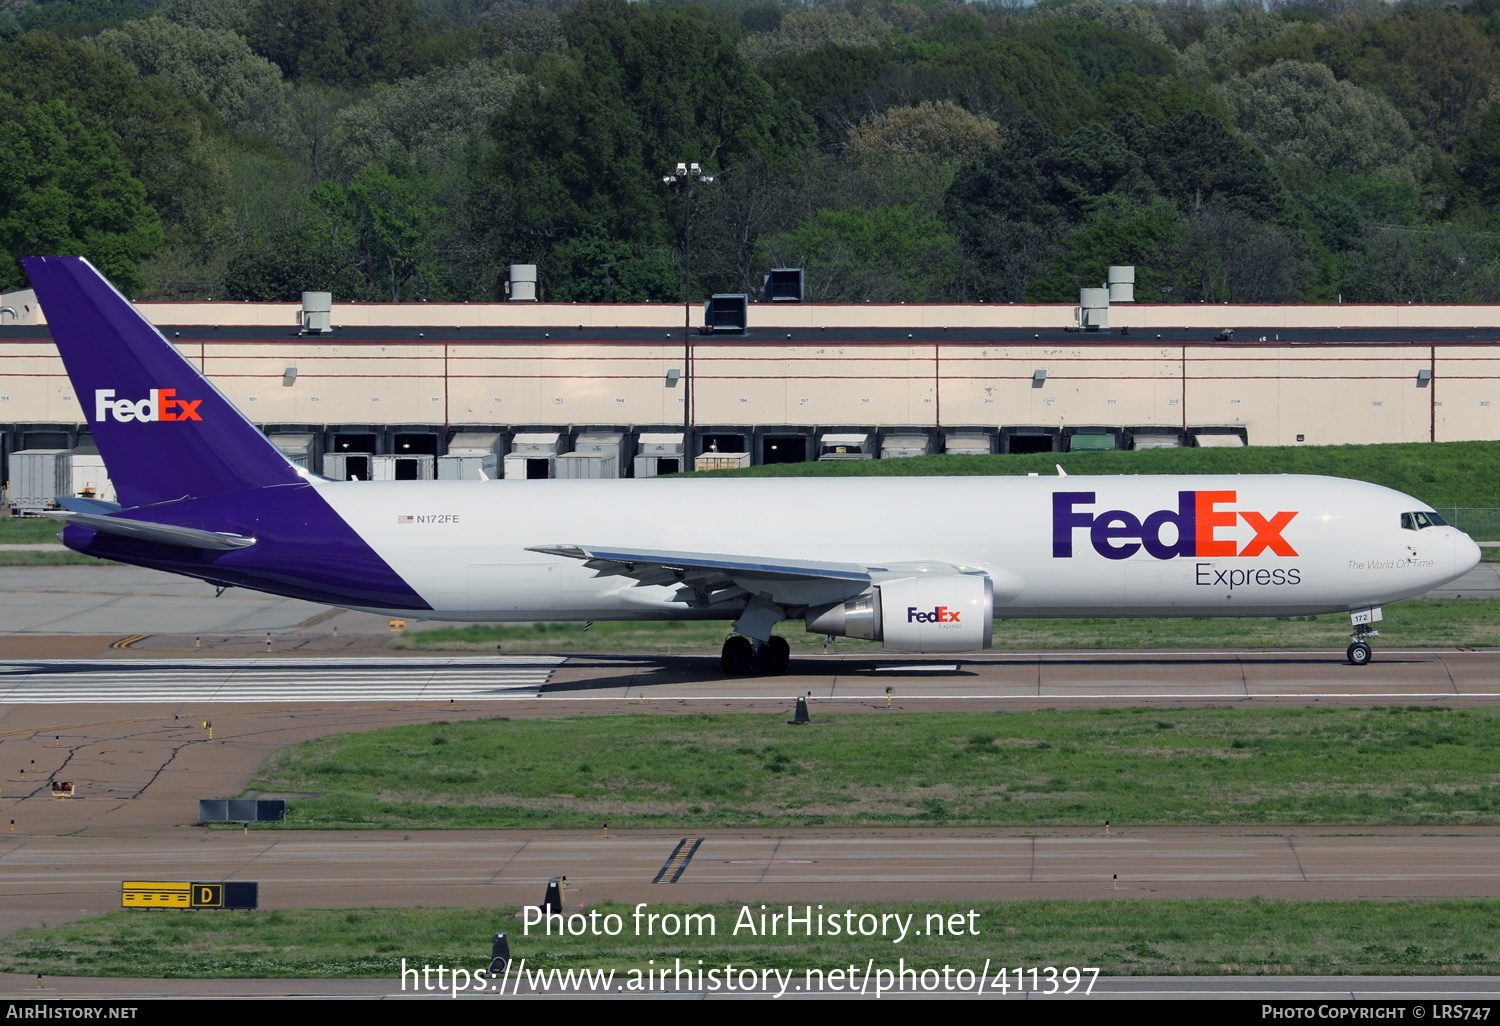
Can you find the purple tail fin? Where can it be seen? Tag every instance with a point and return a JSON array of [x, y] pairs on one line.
[[164, 431]]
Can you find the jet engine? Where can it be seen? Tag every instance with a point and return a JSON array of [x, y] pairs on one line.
[[937, 613]]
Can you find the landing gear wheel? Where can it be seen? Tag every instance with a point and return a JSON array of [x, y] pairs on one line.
[[1360, 654], [774, 657], [738, 657]]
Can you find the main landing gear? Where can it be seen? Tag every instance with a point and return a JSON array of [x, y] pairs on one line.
[[743, 657]]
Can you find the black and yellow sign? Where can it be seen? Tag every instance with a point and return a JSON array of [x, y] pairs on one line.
[[180, 894], [156, 894]]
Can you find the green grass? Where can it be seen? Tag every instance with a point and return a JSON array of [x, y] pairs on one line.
[[1248, 765], [28, 530], [39, 531], [1140, 937], [1421, 623], [51, 559], [1442, 473]]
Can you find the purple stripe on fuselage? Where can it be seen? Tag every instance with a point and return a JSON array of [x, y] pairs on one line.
[[303, 548]]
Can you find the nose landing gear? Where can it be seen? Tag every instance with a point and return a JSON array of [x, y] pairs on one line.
[[1360, 653]]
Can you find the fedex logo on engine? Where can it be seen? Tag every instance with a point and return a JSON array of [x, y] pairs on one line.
[[161, 405], [1198, 523], [942, 614]]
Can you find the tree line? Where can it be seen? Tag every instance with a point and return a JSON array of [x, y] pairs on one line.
[[406, 150]]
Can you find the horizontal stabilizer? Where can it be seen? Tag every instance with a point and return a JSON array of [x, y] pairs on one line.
[[77, 505], [161, 534]]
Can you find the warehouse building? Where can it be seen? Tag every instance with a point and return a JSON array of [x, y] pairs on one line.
[[528, 390]]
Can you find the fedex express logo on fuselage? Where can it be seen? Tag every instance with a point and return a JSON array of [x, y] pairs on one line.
[[162, 404], [1199, 516]]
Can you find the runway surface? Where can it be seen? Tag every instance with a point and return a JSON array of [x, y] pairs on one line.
[[506, 869], [240, 681], [1011, 680]]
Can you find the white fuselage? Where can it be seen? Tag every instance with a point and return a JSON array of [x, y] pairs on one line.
[[463, 546]]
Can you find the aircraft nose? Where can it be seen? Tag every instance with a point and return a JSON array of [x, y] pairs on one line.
[[1466, 553]]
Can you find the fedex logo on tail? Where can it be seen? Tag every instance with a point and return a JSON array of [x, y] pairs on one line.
[[162, 404], [1199, 525]]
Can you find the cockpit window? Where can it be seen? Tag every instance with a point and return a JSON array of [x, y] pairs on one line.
[[1418, 520]]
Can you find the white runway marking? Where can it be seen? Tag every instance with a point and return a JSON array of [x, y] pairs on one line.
[[486, 678]]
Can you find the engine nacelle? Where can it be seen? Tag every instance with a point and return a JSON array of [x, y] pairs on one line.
[[937, 613]]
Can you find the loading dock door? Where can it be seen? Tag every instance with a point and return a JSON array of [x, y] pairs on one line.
[[1029, 443], [784, 449]]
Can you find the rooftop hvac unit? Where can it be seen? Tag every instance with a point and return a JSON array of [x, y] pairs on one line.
[[726, 313], [784, 285], [317, 312], [903, 446], [523, 283], [1093, 309], [1121, 284]]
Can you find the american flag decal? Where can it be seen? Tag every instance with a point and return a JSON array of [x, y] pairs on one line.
[[403, 520]]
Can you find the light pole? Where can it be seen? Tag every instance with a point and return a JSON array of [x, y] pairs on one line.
[[683, 179]]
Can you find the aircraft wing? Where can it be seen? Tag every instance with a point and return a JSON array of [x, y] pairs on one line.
[[161, 534], [706, 578]]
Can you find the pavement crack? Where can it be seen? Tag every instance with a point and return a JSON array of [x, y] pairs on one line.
[[1449, 671], [770, 861], [252, 860], [1292, 846], [513, 856], [162, 768]]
